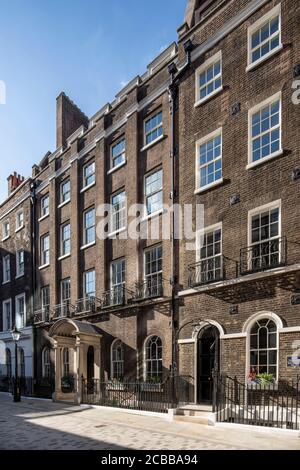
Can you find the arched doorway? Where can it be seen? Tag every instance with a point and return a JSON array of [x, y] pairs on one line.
[[90, 363], [207, 362]]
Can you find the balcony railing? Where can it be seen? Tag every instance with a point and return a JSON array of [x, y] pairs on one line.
[[265, 255], [63, 310], [207, 271], [149, 289], [114, 297], [87, 305], [42, 315]]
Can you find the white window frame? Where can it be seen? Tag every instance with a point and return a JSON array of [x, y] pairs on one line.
[[161, 125], [86, 295], [19, 225], [45, 213], [44, 289], [113, 145], [46, 365], [20, 324], [6, 279], [122, 212], [20, 272], [146, 196], [276, 11], [203, 140], [44, 251], [85, 228], [258, 210], [6, 326], [5, 230], [119, 362], [147, 361], [251, 112], [86, 185], [61, 193], [203, 67], [64, 253]]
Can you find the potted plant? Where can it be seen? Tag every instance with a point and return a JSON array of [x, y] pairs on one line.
[[265, 379], [67, 384]]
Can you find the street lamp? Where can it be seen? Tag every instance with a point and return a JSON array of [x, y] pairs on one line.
[[16, 336]]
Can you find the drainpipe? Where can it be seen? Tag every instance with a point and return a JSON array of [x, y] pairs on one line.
[[175, 74], [33, 268]]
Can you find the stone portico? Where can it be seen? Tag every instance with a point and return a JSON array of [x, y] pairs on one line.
[[77, 354]]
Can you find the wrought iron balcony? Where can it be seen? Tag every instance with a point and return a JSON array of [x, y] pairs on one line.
[[149, 289], [114, 297], [207, 271], [87, 305], [42, 315], [63, 310], [262, 256]]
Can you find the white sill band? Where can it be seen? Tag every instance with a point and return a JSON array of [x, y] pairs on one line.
[[113, 234], [19, 228], [19, 276], [265, 159], [5, 238], [146, 147], [115, 168], [88, 187], [63, 204], [44, 266], [209, 186], [151, 216], [43, 217], [64, 257], [88, 245], [264, 58], [208, 97]]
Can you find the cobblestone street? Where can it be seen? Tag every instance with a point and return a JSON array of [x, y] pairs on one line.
[[43, 425]]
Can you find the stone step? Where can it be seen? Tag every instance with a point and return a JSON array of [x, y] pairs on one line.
[[204, 418]]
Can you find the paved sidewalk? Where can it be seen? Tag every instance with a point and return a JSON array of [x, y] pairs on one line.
[[43, 425]]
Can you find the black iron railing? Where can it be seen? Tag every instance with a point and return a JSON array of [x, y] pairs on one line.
[[30, 387], [149, 289], [207, 271], [271, 405], [155, 397], [87, 305], [42, 315], [63, 310], [265, 255], [114, 297]]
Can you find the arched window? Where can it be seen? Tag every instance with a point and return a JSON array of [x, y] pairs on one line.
[[153, 359], [22, 362], [117, 360], [8, 362], [66, 361], [46, 363], [263, 347]]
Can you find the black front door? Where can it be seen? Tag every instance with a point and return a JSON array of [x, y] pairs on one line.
[[208, 350]]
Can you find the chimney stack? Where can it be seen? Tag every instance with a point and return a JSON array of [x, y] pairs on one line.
[[68, 119], [14, 182]]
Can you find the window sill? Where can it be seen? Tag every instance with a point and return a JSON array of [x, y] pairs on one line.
[[88, 245], [209, 186], [5, 282], [86, 188], [63, 204], [19, 228], [151, 216], [44, 266], [19, 276], [43, 217], [265, 159], [264, 58], [116, 232], [146, 147], [115, 168], [5, 238], [64, 257], [208, 97]]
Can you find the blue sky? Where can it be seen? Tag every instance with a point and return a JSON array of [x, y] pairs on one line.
[[88, 49]]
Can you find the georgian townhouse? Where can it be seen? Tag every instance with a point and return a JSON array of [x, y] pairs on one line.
[[239, 158], [16, 278]]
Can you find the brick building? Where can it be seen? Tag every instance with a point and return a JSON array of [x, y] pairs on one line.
[[211, 122]]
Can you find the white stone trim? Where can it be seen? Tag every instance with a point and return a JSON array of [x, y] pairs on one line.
[[187, 341], [289, 329]]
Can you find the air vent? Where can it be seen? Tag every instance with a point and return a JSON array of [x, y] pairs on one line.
[[233, 310], [296, 174], [297, 70], [235, 109], [295, 299], [234, 199]]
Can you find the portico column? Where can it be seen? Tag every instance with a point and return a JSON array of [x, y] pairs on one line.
[[57, 351], [78, 394]]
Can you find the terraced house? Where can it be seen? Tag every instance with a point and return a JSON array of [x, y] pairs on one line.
[[211, 122]]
